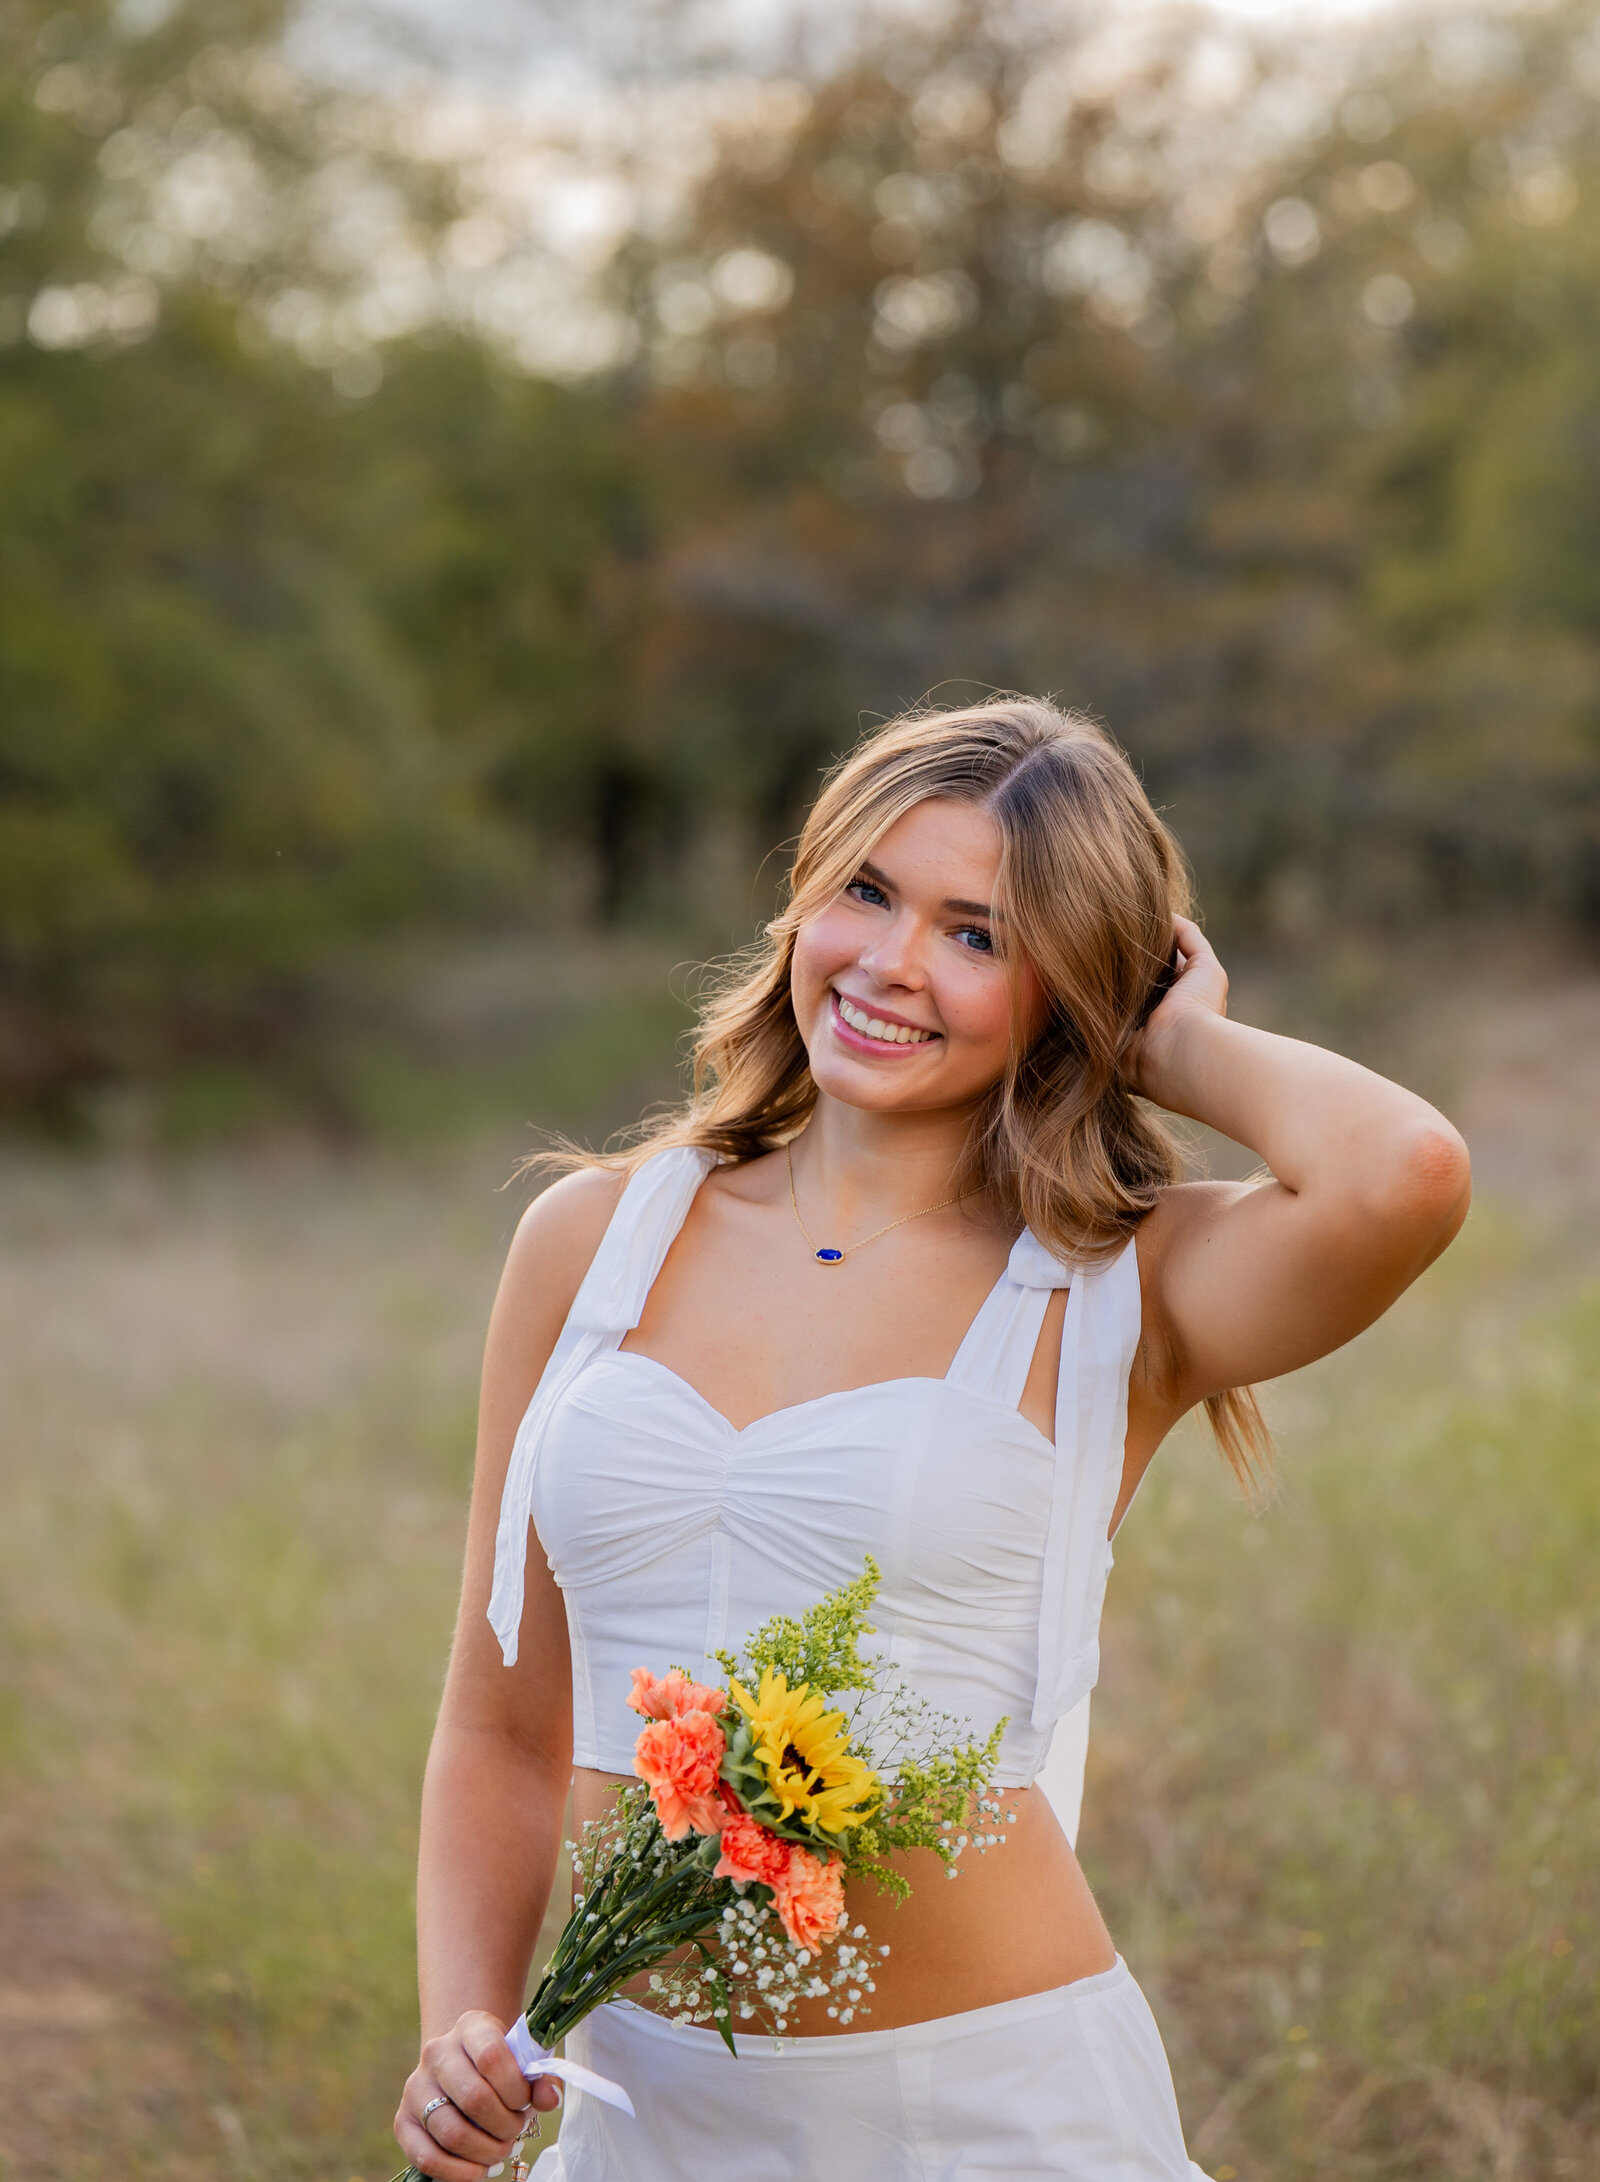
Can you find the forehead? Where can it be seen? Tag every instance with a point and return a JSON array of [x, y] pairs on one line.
[[941, 848]]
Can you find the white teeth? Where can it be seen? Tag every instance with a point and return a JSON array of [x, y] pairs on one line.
[[873, 1026]]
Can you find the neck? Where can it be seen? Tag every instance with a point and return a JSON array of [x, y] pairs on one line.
[[855, 1166]]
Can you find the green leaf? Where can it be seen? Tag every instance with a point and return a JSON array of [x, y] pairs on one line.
[[719, 1992]]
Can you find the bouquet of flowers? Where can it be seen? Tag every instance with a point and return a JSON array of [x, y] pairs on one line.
[[721, 1873]]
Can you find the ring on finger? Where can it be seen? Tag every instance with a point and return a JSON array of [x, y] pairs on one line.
[[433, 2107]]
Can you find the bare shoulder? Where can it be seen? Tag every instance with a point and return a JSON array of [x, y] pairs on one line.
[[561, 1230], [553, 1248]]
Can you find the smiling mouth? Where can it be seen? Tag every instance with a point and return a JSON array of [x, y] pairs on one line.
[[876, 1028]]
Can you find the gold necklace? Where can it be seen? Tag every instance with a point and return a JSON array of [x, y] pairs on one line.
[[829, 1253]]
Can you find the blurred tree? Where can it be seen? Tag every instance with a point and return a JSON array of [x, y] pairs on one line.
[[498, 519], [990, 367], [978, 358], [259, 644], [1424, 338]]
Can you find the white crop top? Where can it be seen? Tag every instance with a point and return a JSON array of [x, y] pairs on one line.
[[671, 1533]]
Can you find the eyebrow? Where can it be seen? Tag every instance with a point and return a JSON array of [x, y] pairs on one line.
[[961, 908]]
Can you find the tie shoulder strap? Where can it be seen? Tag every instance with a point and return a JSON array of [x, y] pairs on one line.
[[1033, 1266], [642, 1230], [609, 1302], [996, 1356], [1099, 1340]]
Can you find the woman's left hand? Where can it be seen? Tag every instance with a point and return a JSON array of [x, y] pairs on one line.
[[1199, 987]]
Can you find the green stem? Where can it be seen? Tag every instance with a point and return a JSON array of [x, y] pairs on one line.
[[552, 2026], [583, 1948], [553, 2021], [590, 1964], [571, 1998]]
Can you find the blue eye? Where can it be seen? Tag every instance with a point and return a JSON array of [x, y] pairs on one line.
[[864, 890], [982, 940]]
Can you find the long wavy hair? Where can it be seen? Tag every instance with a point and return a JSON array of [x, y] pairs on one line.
[[1088, 883]]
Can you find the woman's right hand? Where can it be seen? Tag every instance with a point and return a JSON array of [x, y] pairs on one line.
[[489, 2101]]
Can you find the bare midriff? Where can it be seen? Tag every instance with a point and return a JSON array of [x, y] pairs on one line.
[[1019, 1919]]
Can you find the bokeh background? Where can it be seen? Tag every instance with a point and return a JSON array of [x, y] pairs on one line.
[[460, 479]]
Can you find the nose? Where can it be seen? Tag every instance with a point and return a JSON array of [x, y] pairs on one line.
[[896, 955]]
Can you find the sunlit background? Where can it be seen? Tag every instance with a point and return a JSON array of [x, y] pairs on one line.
[[463, 474]]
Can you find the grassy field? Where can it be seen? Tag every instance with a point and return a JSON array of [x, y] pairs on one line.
[[1344, 1780]]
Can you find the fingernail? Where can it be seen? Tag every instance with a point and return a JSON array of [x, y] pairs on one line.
[[498, 2168]]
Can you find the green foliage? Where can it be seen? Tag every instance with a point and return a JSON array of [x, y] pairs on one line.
[[822, 1646], [939, 1780], [312, 637], [276, 674], [936, 1795], [1293, 493]]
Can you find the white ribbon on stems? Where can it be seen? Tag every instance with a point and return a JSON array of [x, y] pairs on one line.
[[535, 2061]]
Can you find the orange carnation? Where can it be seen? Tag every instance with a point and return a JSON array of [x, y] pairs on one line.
[[677, 1759], [810, 1897], [672, 1695], [751, 1855]]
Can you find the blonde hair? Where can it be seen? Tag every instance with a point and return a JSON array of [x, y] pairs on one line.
[[1088, 882]]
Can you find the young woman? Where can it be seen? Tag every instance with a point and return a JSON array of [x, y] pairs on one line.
[[912, 1272]]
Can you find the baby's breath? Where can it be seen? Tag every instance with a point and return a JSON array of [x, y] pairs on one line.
[[714, 1953], [934, 1773]]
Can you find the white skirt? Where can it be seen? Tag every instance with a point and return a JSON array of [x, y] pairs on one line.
[[1070, 2085]]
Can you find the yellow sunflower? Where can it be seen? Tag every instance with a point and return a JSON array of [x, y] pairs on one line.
[[803, 1751]]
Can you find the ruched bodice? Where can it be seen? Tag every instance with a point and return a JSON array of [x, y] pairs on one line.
[[672, 1532], [734, 1526]]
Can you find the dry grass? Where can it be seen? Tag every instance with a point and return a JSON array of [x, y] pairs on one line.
[[1343, 1793], [1344, 1805], [238, 1415]]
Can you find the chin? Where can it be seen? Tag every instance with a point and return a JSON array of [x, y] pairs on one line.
[[875, 1092], [845, 1088]]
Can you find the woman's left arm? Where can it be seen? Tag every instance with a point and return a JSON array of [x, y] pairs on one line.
[[1369, 1183]]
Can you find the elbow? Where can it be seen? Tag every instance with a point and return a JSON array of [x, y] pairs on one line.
[[1439, 1177], [1424, 1187]]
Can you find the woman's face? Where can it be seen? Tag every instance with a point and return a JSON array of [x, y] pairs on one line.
[[899, 988]]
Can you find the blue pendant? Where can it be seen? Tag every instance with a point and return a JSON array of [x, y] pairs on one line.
[[829, 1257]]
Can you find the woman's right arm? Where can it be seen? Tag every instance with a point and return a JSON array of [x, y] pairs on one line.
[[501, 1760]]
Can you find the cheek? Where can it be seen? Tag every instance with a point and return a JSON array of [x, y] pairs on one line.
[[976, 1008], [979, 1009], [819, 950]]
